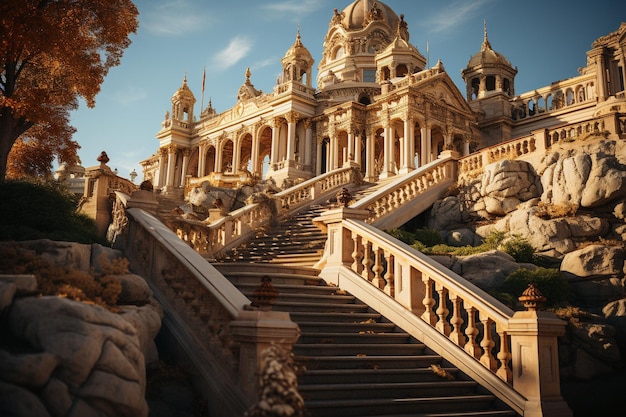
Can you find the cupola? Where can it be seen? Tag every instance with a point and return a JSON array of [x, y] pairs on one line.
[[488, 72], [247, 90], [298, 64], [399, 58], [182, 103]]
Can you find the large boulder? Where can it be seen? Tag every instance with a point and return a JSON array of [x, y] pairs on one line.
[[507, 183], [92, 358], [486, 270], [589, 176]]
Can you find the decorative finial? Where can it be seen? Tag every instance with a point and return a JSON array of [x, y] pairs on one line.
[[103, 158], [265, 295], [531, 298], [344, 197], [248, 74], [486, 45]]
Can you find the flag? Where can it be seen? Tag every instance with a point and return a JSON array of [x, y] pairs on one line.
[[203, 78]]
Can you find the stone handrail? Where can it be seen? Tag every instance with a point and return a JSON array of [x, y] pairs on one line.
[[456, 319], [471, 166], [239, 226], [402, 194], [315, 189], [211, 323]]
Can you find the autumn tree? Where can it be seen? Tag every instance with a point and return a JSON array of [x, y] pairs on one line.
[[52, 53]]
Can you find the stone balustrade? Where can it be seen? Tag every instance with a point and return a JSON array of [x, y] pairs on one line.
[[513, 354], [422, 186], [238, 226]]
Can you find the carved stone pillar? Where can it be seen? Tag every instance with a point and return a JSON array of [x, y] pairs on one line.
[[308, 143], [171, 165], [183, 173], [162, 167]]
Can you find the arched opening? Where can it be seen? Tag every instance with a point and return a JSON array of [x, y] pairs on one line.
[[401, 70], [475, 88], [245, 153], [365, 100], [227, 157], [507, 87], [342, 149], [209, 160], [490, 83], [324, 156], [265, 151]]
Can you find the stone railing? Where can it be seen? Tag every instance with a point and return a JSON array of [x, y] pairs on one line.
[[210, 324], [471, 166], [555, 97], [421, 187], [236, 227], [513, 355], [574, 131]]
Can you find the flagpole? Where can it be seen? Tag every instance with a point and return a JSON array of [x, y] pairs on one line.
[[203, 81]]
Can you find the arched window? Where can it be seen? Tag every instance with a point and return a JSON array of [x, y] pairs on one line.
[[401, 70], [475, 87], [507, 87], [339, 53], [490, 83], [365, 100]]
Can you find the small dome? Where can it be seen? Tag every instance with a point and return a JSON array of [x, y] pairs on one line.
[[298, 51], [361, 12], [487, 55]]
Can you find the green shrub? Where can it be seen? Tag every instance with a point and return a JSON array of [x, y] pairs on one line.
[[520, 249], [30, 210], [428, 237], [402, 235], [548, 281]]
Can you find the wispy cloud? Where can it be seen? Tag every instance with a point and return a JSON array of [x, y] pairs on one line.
[[237, 49], [173, 18], [128, 96], [295, 8], [454, 15]]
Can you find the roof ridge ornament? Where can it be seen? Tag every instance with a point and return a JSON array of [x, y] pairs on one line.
[[486, 45]]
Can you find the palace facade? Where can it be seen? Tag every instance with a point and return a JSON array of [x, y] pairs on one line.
[[375, 106]]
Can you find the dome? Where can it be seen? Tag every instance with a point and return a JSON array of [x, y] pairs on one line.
[[487, 55], [298, 51], [361, 12]]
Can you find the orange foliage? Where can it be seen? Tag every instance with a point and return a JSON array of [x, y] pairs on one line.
[[53, 52]]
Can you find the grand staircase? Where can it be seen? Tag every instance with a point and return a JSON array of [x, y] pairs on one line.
[[356, 362]]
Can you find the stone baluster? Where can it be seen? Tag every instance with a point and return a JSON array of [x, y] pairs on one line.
[[504, 356], [367, 261], [442, 309], [487, 343], [456, 335], [429, 315], [471, 346], [357, 255], [378, 279], [389, 274]]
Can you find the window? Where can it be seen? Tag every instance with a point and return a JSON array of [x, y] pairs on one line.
[[369, 75]]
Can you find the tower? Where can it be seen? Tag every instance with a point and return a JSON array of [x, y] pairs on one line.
[[490, 83], [298, 64], [183, 101]]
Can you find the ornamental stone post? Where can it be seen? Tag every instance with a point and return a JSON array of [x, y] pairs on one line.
[[255, 329], [535, 357]]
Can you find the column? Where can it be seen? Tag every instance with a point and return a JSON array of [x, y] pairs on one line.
[[218, 157], [407, 155], [318, 162], [351, 151], [201, 160], [308, 144], [292, 119], [236, 155], [171, 165], [425, 157], [275, 139], [358, 141], [388, 151], [162, 179], [183, 174]]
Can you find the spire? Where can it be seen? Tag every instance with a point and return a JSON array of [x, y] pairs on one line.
[[248, 74], [298, 38], [486, 45]]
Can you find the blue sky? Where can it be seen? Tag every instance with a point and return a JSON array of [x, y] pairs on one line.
[[547, 40]]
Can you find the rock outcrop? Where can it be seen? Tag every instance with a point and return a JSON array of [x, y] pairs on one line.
[[61, 357]]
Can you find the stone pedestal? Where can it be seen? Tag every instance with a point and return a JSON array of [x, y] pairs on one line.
[[255, 331], [534, 352]]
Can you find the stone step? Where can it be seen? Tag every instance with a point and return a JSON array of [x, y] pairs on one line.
[[309, 298], [337, 317], [319, 307], [382, 406], [313, 327], [344, 391], [366, 348], [371, 376], [354, 338], [367, 362]]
